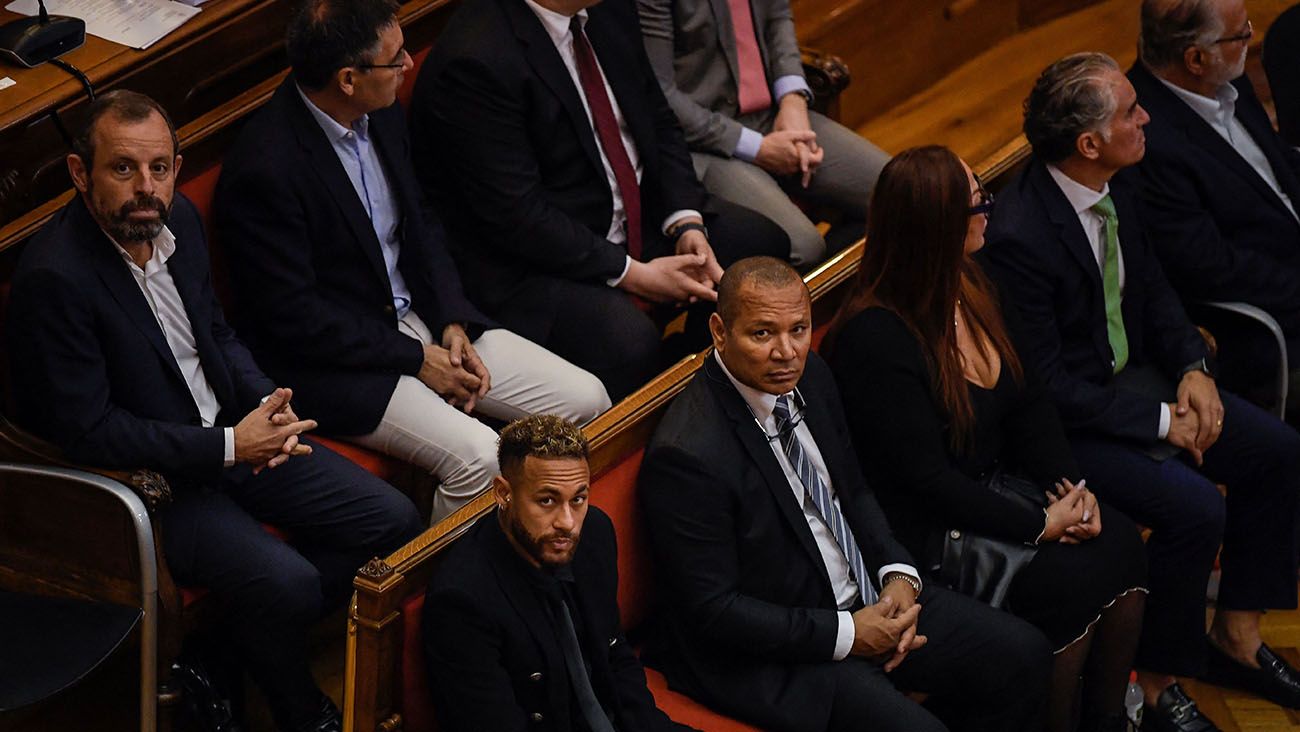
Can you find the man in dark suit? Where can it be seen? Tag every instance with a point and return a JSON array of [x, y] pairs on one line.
[[789, 603], [343, 277], [120, 355], [1220, 187], [733, 74], [543, 136], [1135, 387], [521, 622]]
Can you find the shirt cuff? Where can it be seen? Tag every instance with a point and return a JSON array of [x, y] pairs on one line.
[[906, 569], [748, 144], [787, 84], [229, 459], [614, 281], [843, 636], [1163, 430], [676, 216]]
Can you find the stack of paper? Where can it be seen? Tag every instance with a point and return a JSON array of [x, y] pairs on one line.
[[134, 23]]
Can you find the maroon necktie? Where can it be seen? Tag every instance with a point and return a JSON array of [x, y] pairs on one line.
[[611, 141], [752, 86]]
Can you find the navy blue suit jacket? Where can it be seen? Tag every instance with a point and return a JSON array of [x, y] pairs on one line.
[[309, 278], [507, 152], [91, 368], [1040, 255], [1221, 232]]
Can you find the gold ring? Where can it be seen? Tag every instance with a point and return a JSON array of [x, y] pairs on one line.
[[1219, 423]]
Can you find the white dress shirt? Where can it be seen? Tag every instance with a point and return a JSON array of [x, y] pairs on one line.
[[845, 589], [557, 27], [1082, 199], [159, 289], [1220, 112]]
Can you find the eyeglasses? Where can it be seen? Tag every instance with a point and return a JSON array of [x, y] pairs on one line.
[[400, 63], [985, 206], [1250, 33]]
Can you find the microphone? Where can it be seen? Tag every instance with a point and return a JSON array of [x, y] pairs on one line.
[[31, 42]]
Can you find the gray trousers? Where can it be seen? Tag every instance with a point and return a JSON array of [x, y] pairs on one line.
[[844, 180]]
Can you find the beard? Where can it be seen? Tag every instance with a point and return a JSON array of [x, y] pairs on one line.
[[119, 225], [1229, 72], [535, 546]]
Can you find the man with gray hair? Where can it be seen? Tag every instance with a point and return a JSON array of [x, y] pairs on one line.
[[1221, 188], [1135, 387]]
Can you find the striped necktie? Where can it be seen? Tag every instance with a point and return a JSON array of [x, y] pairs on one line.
[[821, 497]]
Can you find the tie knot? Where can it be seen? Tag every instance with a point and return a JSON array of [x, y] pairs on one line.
[[782, 409], [575, 26], [1105, 207]]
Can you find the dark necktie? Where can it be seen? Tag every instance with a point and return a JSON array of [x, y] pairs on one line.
[[607, 134], [592, 712], [821, 498]]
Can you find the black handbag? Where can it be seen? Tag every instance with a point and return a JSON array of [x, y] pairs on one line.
[[983, 567]]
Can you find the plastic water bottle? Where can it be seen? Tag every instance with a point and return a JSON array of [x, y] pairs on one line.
[[1133, 702]]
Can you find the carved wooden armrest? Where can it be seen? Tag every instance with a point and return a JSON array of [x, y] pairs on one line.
[[827, 76], [21, 446]]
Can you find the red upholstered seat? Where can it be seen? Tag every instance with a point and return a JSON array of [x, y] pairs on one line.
[[416, 705], [614, 491], [687, 711], [375, 463], [819, 332]]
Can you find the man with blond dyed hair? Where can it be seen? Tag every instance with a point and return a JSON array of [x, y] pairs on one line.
[[1221, 188], [521, 624]]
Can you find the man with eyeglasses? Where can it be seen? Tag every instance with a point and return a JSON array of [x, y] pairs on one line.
[[790, 604], [342, 275], [1220, 186]]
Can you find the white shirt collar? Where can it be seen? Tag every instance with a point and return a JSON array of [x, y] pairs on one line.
[[760, 403], [1081, 197], [556, 24], [1216, 110], [164, 246], [333, 130]]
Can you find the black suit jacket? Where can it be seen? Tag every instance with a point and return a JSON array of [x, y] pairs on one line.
[[1038, 251], [749, 599], [1221, 232], [507, 152], [313, 293], [91, 368], [493, 657]]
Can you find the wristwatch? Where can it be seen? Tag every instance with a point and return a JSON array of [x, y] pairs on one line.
[[680, 229], [895, 576], [1205, 365]]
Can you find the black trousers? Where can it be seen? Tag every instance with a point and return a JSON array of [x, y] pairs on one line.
[[337, 516], [984, 669], [601, 329], [1258, 457]]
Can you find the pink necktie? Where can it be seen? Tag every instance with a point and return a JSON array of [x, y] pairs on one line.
[[754, 95]]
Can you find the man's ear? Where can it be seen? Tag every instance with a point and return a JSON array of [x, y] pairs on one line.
[[80, 174], [345, 80], [501, 490], [718, 330], [176, 167], [1195, 60], [1089, 145]]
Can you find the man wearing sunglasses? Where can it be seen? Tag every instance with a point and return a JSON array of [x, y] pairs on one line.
[[1221, 187]]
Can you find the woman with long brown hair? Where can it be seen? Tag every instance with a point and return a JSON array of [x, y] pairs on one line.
[[943, 412]]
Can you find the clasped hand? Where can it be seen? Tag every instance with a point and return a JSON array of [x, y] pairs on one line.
[[886, 631], [1073, 515], [454, 370], [688, 276], [1196, 419], [268, 436]]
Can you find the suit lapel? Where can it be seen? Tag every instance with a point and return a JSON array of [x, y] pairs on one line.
[[199, 312], [122, 286], [545, 60], [756, 444], [726, 37], [618, 65], [524, 598], [1071, 233], [325, 164], [1261, 129]]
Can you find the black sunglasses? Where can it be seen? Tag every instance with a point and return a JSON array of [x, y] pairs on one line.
[[985, 206]]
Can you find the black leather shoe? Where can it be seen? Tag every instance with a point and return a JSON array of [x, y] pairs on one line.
[[1274, 680], [1175, 712], [210, 709]]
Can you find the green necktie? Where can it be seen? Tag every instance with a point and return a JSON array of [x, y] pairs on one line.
[[1110, 284]]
